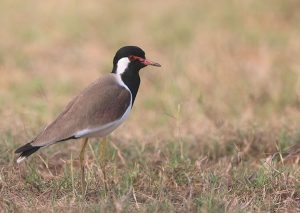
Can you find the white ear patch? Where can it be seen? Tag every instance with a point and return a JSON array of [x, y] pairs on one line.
[[122, 65]]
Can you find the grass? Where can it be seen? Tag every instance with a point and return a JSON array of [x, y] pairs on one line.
[[216, 129]]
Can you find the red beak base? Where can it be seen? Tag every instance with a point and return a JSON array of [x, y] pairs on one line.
[[152, 63]]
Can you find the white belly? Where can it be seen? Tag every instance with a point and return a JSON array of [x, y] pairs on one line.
[[105, 129]]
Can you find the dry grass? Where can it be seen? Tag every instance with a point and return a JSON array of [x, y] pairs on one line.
[[215, 130]]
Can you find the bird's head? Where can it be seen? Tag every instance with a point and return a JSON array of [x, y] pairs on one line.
[[131, 58]]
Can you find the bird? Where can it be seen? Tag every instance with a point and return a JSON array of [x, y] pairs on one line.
[[97, 110]]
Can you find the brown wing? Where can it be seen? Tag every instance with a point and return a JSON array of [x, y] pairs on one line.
[[102, 102]]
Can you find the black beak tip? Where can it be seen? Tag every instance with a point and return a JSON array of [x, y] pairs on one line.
[[156, 65]]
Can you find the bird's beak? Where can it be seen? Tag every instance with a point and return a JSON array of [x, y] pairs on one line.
[[152, 63], [144, 61]]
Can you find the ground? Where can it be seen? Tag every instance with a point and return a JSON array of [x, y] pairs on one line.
[[216, 129]]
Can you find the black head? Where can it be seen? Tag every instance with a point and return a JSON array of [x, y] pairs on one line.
[[127, 51], [127, 63], [130, 58]]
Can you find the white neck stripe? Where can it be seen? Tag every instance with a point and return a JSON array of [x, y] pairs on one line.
[[122, 65]]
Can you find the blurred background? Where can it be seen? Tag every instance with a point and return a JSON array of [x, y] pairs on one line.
[[224, 63]]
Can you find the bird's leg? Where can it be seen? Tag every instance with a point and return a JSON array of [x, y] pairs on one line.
[[81, 159], [102, 159]]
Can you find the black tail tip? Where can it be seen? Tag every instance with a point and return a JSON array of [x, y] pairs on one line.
[[26, 151]]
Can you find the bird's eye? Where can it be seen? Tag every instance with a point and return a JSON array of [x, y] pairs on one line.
[[132, 58]]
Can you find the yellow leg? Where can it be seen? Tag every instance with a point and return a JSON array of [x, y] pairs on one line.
[[102, 159], [81, 159]]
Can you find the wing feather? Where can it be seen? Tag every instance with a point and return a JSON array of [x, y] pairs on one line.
[[101, 103]]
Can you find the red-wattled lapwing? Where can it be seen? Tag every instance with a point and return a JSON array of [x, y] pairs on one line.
[[97, 110]]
